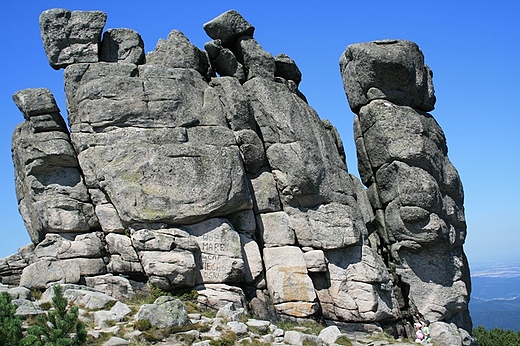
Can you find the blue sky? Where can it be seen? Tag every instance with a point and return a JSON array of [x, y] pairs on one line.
[[473, 48]]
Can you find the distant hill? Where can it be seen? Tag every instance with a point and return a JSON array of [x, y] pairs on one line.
[[495, 297], [504, 314]]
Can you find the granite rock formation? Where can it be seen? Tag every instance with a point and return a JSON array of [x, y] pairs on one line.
[[208, 169], [413, 188]]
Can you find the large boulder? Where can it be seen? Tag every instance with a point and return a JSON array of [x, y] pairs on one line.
[[71, 37], [357, 287], [124, 45], [117, 287], [167, 256], [166, 162], [164, 312], [305, 162], [446, 334], [45, 273], [228, 26], [11, 268], [392, 70], [123, 256], [178, 52]]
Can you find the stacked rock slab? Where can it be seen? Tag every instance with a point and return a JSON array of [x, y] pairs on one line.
[[52, 196], [414, 190], [208, 169], [305, 208]]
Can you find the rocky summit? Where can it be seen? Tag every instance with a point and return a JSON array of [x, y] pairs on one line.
[[206, 169]]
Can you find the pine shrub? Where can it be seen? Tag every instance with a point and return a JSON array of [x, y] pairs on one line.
[[496, 336], [10, 324], [59, 327]]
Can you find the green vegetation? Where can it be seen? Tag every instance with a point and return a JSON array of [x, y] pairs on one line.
[[343, 340], [36, 293], [308, 326], [253, 342], [496, 336], [46, 306], [146, 298], [143, 325], [257, 330], [59, 327], [10, 325], [153, 334], [228, 338], [103, 337], [384, 336]]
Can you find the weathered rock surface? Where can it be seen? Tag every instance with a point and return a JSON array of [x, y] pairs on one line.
[[228, 26], [52, 196], [413, 187], [208, 170], [71, 37], [119, 324], [164, 312], [380, 70], [122, 45], [11, 268]]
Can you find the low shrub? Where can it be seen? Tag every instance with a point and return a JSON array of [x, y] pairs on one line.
[[59, 326], [10, 324], [308, 326], [228, 338], [496, 336], [343, 340]]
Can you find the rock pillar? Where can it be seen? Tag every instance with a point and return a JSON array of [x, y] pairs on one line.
[[414, 190]]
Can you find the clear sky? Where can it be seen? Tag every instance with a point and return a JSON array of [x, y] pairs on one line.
[[473, 48]]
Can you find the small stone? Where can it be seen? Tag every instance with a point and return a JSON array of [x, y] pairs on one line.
[[293, 337], [194, 317], [116, 341], [230, 313], [202, 343], [267, 339], [115, 314], [216, 296], [26, 307], [329, 334], [19, 293], [278, 332], [238, 327], [133, 335], [260, 325], [94, 333]]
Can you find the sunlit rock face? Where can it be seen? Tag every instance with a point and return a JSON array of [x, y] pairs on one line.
[[52, 195], [414, 189], [208, 169]]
